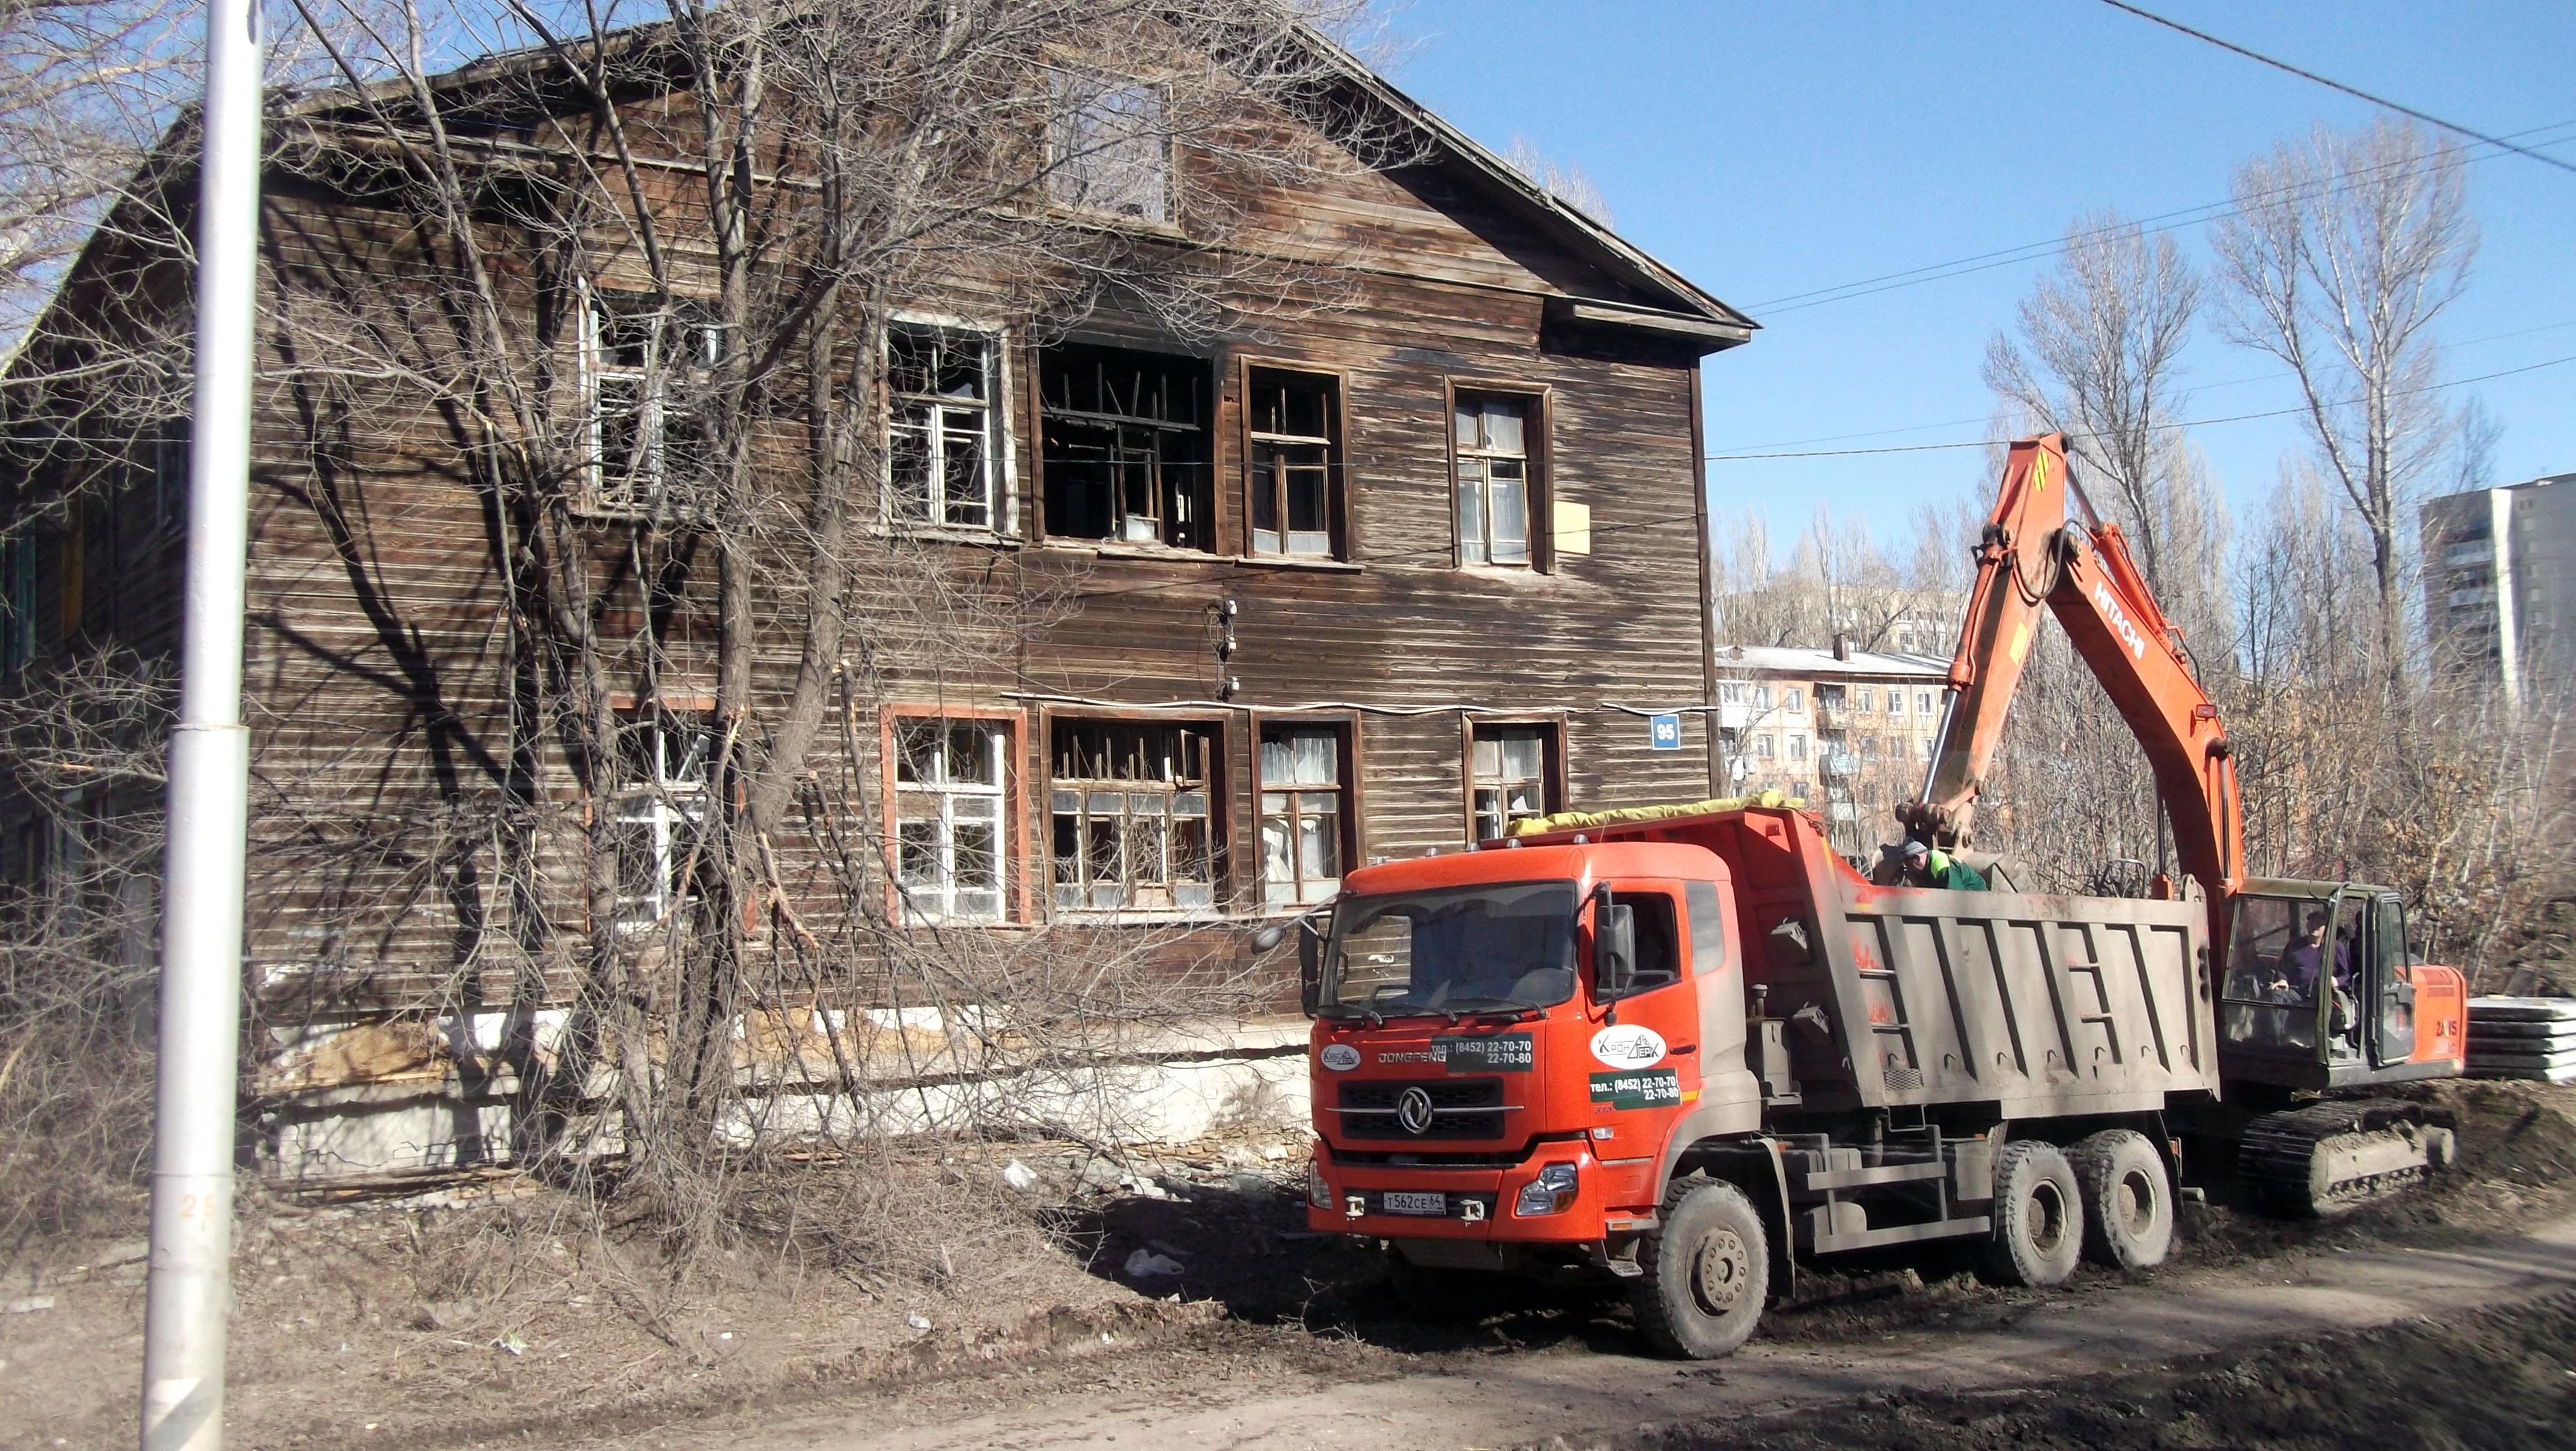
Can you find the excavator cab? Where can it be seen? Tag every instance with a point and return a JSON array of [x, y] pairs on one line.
[[2319, 990]]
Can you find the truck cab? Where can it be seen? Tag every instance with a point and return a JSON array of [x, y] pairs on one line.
[[1506, 1044]]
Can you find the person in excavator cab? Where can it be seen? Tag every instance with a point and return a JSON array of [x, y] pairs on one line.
[[1919, 865]]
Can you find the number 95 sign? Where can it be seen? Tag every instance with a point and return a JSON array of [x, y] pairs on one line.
[[1665, 732]]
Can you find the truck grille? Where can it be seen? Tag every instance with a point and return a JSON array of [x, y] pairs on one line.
[[1462, 1108]]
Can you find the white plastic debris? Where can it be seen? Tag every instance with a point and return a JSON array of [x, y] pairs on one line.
[[510, 1342], [28, 1306], [1019, 1176], [1145, 1264], [917, 1322]]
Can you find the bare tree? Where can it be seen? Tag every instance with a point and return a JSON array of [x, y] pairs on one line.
[[739, 523], [1568, 182], [2099, 354], [2343, 250]]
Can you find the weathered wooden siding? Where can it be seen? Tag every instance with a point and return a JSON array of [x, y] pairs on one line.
[[381, 686]]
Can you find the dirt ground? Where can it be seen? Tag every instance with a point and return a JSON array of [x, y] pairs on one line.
[[489, 1315], [2498, 1379]]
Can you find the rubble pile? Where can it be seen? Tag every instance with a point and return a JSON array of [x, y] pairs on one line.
[[2531, 1038]]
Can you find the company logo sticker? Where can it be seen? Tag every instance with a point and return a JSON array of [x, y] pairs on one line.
[[1340, 1057], [1630, 1045]]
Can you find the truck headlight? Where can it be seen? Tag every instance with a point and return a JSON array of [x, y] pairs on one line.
[[1550, 1193], [1319, 1194]]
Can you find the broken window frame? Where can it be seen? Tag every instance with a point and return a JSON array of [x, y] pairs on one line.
[[1099, 126], [1144, 817], [933, 808], [169, 453], [1156, 445], [19, 650], [1476, 462], [660, 808], [1488, 822], [1288, 804], [638, 487], [940, 420], [1276, 457]]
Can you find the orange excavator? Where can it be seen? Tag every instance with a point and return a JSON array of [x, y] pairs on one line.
[[2321, 995]]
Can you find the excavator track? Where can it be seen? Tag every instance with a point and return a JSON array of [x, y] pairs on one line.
[[2328, 1158]]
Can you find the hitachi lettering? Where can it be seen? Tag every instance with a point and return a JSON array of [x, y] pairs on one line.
[[2119, 619]]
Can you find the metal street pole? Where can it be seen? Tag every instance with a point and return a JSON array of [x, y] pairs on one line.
[[190, 1295]]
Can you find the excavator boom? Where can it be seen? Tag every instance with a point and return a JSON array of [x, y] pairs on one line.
[[2317, 1159], [2031, 554]]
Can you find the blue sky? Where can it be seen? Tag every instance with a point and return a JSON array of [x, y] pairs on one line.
[[1769, 149]]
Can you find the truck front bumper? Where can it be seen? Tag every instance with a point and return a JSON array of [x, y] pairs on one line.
[[1419, 1201]]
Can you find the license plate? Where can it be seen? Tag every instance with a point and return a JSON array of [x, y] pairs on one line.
[[1410, 1201]]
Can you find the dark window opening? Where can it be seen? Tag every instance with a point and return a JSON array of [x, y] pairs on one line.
[[1512, 777], [1125, 448], [1296, 465], [1131, 804]]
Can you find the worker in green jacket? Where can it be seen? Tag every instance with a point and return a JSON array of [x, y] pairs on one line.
[[1925, 867]]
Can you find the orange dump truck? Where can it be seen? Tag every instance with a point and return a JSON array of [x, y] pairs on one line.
[[1686, 1052]]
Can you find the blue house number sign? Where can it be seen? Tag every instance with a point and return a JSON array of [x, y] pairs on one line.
[[1665, 731]]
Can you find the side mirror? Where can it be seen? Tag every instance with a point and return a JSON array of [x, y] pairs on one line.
[[1269, 938], [1614, 951], [1310, 966]]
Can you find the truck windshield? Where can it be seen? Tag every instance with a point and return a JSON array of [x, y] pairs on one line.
[[1462, 950]]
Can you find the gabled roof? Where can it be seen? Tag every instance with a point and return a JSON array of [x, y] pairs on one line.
[[1693, 311], [1688, 314]]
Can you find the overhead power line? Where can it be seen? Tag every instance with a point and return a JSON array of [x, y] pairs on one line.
[[1730, 458], [2335, 85], [2155, 225]]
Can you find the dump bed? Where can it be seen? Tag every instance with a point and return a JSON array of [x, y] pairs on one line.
[[2039, 1005]]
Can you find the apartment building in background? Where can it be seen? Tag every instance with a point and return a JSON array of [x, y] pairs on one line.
[[2500, 584], [1851, 731]]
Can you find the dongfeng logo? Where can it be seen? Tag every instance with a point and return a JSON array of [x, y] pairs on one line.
[[1340, 1057], [1413, 1110]]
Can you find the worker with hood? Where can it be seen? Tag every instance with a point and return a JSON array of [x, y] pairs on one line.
[[1926, 867]]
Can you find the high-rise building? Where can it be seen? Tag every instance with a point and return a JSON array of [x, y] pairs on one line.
[[2500, 583]]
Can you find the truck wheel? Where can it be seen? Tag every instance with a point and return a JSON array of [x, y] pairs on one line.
[[1707, 1271], [2128, 1200], [2039, 1217]]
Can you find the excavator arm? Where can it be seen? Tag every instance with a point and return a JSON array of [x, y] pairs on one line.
[[2032, 554]]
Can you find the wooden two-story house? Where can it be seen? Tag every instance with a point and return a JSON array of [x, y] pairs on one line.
[[1300, 592]]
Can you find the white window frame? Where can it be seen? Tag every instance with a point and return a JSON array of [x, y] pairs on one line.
[[936, 899], [669, 807], [642, 495], [1001, 480]]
